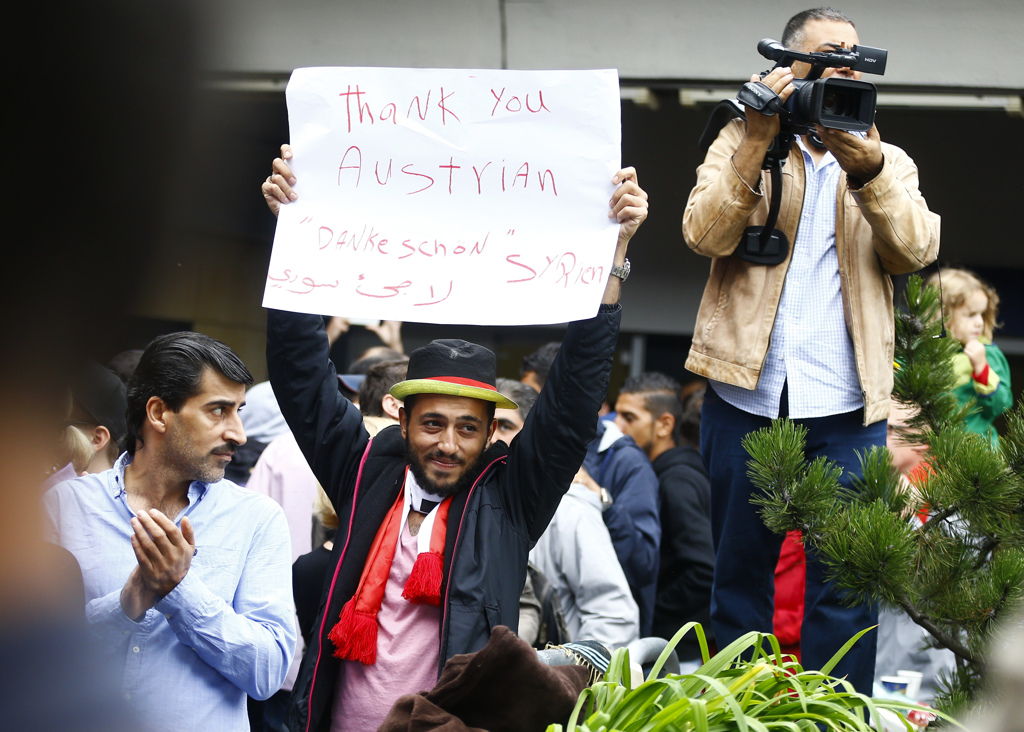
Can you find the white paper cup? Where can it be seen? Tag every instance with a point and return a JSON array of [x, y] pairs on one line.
[[913, 682], [895, 684]]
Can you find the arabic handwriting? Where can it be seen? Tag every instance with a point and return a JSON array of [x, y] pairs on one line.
[[451, 284], [394, 289]]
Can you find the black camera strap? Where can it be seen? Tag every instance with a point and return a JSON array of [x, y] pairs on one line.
[[766, 244]]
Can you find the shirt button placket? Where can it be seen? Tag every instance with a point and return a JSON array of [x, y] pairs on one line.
[[132, 665]]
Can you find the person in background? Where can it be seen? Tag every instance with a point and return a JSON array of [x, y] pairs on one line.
[[629, 495], [94, 431], [310, 570], [650, 411], [629, 498], [123, 364], [511, 421], [99, 412], [575, 553], [903, 645], [577, 556], [378, 407], [263, 423], [534, 371], [971, 309]]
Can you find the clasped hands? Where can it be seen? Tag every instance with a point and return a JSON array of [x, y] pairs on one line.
[[164, 554]]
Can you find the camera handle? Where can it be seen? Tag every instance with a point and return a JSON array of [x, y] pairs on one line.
[[766, 244]]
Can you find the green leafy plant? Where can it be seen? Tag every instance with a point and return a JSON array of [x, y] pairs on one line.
[[748, 685]]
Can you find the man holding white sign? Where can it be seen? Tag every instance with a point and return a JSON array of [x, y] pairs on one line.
[[431, 554]]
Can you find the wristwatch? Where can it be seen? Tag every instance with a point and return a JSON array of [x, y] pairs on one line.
[[621, 272], [606, 497]]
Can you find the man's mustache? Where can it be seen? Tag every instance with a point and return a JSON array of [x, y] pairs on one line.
[[447, 458], [228, 448]]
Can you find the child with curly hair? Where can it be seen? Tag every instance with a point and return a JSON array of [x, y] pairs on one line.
[[971, 307]]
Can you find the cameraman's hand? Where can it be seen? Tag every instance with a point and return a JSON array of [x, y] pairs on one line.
[[761, 128], [277, 188], [861, 159]]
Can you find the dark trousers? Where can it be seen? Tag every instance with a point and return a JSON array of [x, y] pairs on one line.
[[746, 552]]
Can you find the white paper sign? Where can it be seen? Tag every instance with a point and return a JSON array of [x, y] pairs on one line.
[[447, 195]]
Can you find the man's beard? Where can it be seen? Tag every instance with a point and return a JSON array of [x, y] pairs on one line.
[[424, 481], [193, 465]]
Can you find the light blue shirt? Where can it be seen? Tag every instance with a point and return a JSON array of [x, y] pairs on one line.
[[225, 631], [810, 346]]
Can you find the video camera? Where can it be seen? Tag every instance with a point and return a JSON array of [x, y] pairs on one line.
[[841, 104]]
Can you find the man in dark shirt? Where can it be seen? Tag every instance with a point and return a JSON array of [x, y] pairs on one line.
[[650, 411], [478, 508]]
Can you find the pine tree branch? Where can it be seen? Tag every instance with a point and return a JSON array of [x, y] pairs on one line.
[[990, 545], [937, 518], [938, 633]]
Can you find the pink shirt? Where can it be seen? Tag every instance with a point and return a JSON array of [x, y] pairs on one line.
[[283, 474], [408, 646]]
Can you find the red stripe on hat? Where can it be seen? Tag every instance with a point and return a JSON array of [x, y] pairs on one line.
[[462, 381]]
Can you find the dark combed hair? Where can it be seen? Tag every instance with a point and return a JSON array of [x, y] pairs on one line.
[[792, 35], [378, 382], [661, 395], [523, 395], [373, 356], [171, 368], [689, 425], [539, 362]]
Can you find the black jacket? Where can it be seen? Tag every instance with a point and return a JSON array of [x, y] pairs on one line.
[[687, 551], [495, 522]]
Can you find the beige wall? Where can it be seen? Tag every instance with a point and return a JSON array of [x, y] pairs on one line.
[[217, 284], [933, 42]]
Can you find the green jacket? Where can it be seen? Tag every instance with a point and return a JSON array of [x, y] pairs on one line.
[[992, 399]]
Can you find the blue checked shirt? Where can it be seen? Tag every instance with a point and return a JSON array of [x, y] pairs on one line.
[[810, 346], [225, 631]]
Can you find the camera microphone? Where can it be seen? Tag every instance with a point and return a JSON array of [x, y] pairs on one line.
[[771, 49]]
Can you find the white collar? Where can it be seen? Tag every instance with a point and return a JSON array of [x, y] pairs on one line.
[[414, 495], [417, 493], [612, 434]]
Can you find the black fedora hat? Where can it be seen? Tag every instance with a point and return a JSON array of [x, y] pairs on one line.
[[454, 367]]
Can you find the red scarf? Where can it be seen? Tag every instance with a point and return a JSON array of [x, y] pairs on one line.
[[355, 634]]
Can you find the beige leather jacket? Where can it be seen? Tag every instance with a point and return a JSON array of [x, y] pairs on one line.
[[882, 229]]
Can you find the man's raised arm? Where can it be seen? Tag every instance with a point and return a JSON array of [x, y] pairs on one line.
[[545, 456], [327, 427], [629, 207]]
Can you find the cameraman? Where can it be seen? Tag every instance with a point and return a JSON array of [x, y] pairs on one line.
[[810, 338]]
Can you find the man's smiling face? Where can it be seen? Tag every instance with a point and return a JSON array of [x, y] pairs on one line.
[[445, 438]]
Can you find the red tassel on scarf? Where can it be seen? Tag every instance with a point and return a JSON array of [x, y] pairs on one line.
[[424, 583], [355, 635]]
